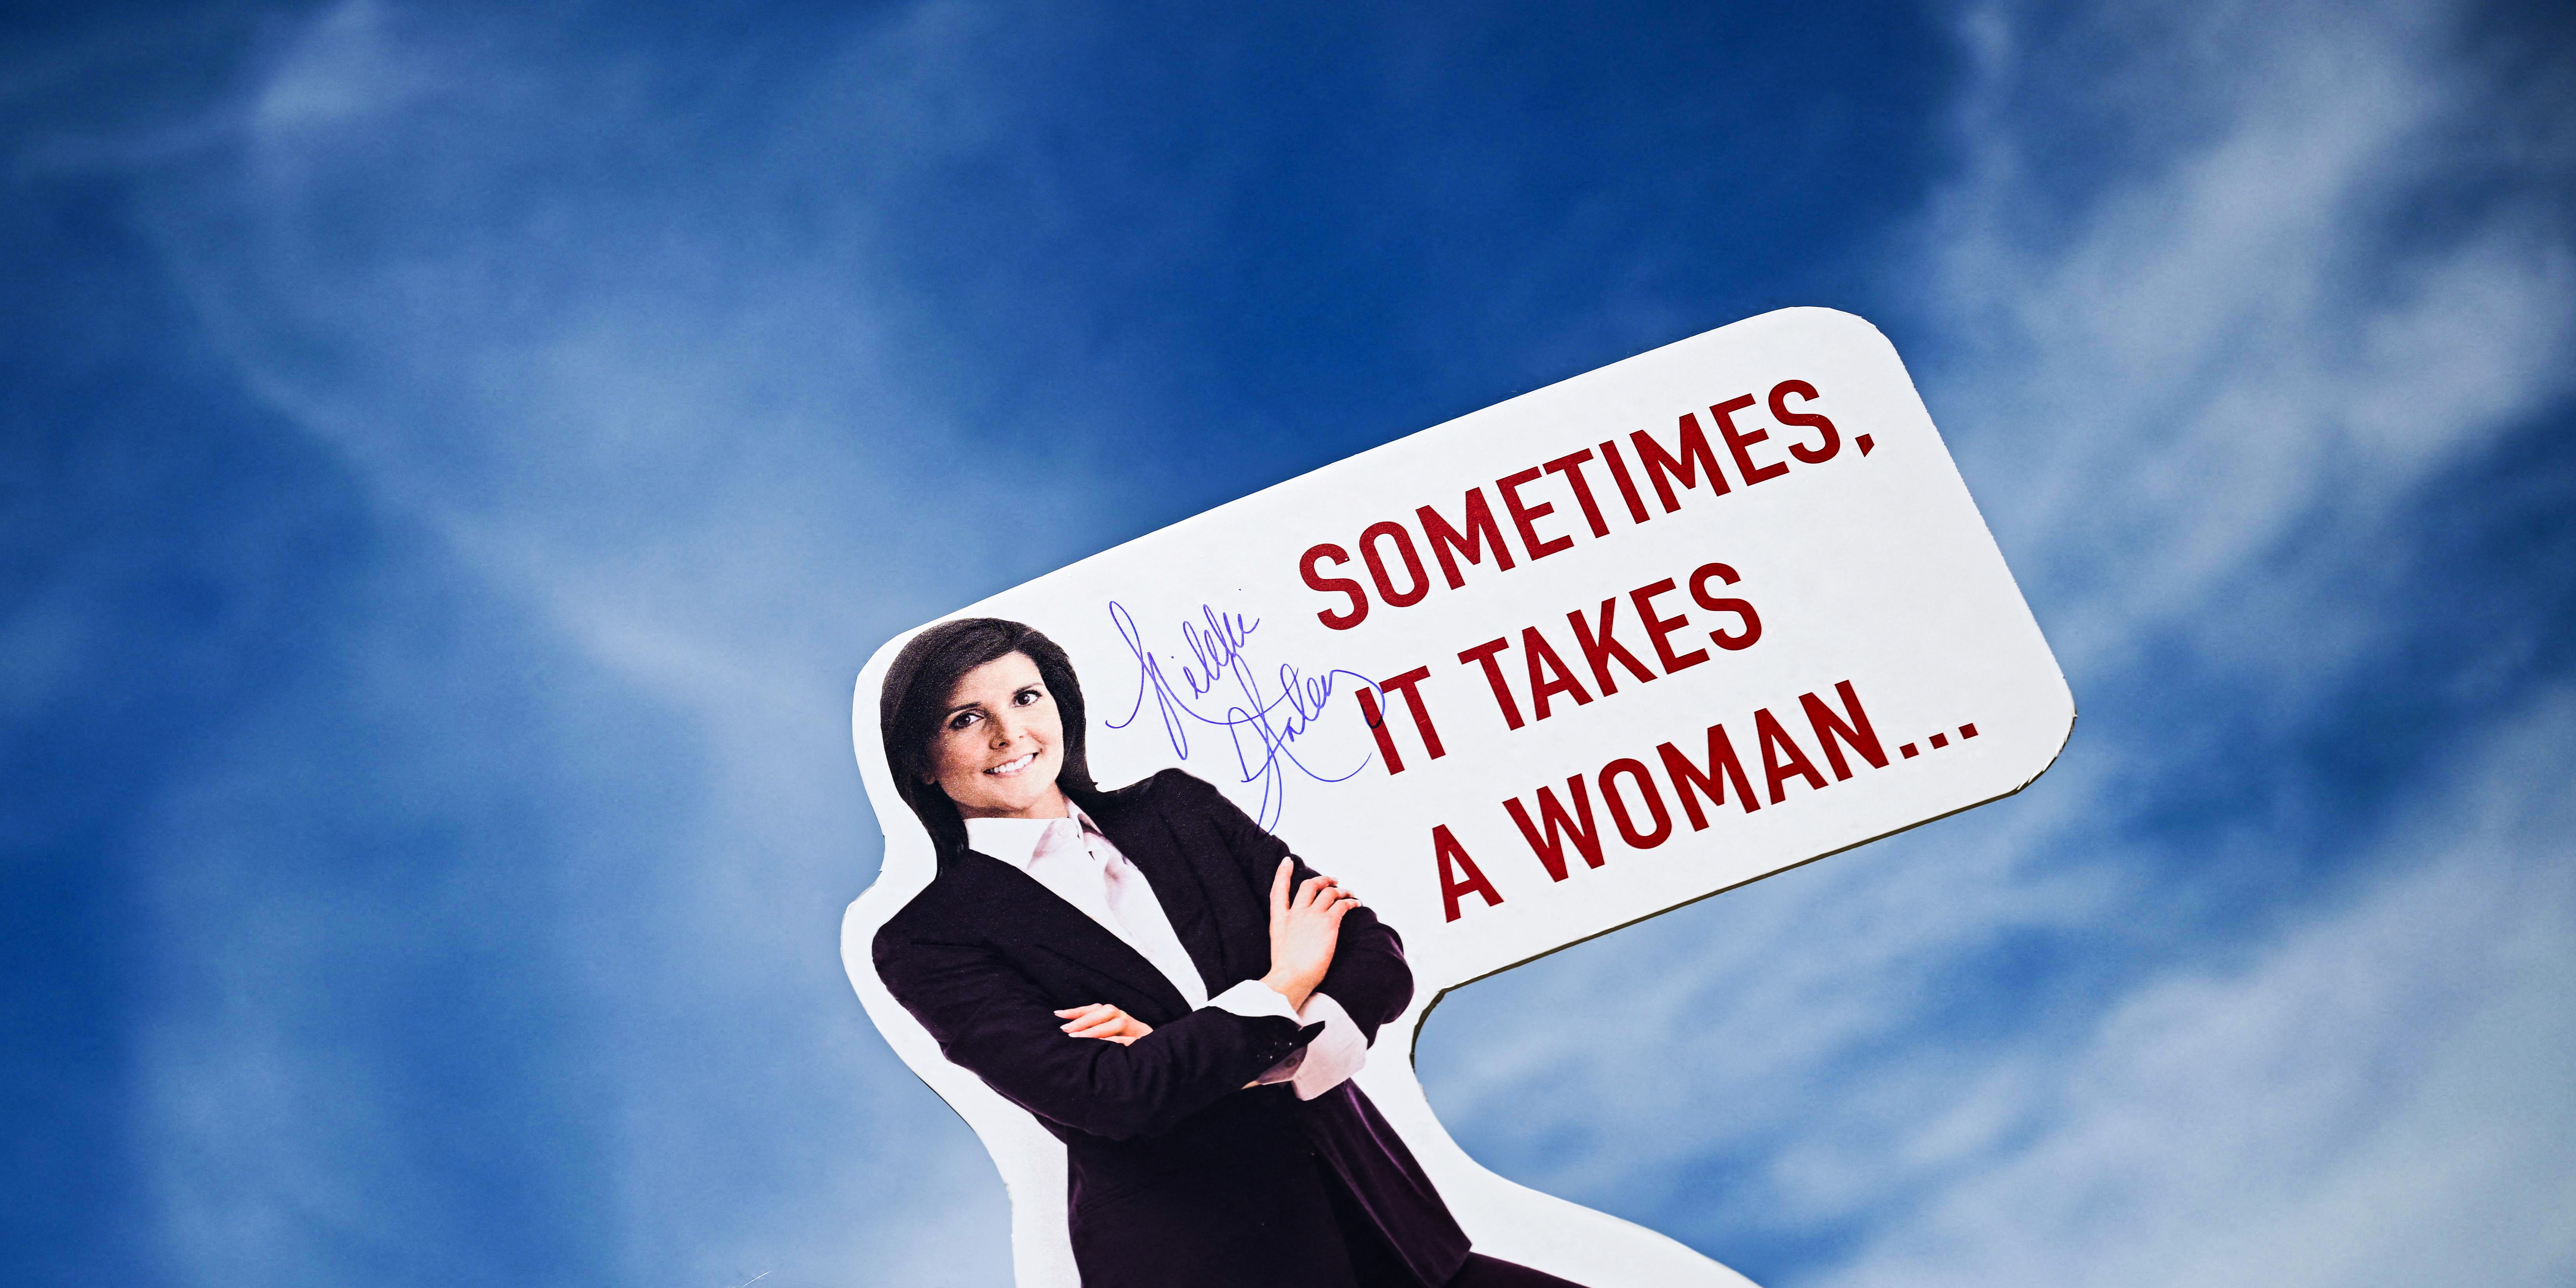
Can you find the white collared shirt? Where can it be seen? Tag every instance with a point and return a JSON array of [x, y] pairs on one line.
[[1072, 858]]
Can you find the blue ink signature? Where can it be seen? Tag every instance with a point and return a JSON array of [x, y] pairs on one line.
[[1263, 730]]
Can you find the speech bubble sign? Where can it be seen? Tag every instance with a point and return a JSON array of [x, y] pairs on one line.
[[1520, 679]]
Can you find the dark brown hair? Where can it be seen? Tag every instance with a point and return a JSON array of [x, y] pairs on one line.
[[915, 700]]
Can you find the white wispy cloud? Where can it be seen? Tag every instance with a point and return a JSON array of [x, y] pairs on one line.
[[603, 368], [2372, 1098], [2193, 371], [2230, 340], [691, 458]]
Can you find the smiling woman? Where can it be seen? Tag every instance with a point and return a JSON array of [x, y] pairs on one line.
[[1001, 747], [1170, 991]]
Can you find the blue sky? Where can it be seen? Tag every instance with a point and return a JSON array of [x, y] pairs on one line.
[[456, 457]]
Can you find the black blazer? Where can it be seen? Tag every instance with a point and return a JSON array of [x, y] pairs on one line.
[[1179, 1175]]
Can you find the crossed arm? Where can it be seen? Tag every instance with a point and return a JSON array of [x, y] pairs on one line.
[[1321, 938], [990, 1018], [1305, 928]]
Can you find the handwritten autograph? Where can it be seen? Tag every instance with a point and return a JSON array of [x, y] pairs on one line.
[[1263, 730]]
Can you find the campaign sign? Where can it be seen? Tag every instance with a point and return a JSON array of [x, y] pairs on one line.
[[1516, 680]]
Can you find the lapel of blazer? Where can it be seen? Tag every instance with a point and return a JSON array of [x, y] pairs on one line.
[[1145, 836], [1037, 921]]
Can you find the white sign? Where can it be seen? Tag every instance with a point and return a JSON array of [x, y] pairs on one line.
[[1534, 674]]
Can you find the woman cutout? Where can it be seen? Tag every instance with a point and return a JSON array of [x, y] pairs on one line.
[[1170, 991]]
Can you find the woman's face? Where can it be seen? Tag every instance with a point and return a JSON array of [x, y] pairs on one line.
[[999, 747]]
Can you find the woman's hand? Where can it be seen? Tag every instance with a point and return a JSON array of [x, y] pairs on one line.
[[1101, 1020], [1305, 927]]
